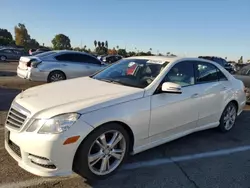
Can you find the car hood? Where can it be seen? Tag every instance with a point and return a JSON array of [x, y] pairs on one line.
[[75, 95]]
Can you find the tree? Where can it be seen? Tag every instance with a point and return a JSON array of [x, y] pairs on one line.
[[32, 43], [21, 35], [99, 44], [5, 37], [95, 43], [112, 52], [61, 42], [122, 52], [102, 44], [106, 44], [117, 47]]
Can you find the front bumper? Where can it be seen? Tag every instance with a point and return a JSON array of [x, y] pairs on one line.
[[45, 147], [33, 74]]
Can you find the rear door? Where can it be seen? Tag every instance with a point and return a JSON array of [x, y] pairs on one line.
[[213, 86]]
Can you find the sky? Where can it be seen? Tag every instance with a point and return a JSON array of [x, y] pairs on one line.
[[183, 27]]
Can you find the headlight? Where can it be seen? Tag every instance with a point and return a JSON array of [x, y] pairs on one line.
[[55, 125]]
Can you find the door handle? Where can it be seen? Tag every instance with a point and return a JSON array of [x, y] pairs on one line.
[[195, 95]]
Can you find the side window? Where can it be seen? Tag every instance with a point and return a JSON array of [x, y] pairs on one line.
[[206, 72], [89, 59], [7, 51], [66, 57], [182, 73], [221, 75]]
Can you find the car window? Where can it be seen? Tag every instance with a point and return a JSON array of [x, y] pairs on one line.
[[244, 71], [76, 57], [221, 75], [132, 72], [7, 51], [89, 59], [182, 73], [206, 72], [66, 57]]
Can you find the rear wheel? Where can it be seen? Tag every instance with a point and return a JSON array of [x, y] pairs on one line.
[[103, 151], [56, 76], [3, 58], [228, 117]]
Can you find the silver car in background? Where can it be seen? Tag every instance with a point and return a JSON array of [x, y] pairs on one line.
[[58, 65]]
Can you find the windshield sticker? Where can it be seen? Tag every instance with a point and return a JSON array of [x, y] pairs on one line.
[[156, 62], [131, 64]]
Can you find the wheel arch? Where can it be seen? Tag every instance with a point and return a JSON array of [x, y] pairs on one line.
[[56, 70]]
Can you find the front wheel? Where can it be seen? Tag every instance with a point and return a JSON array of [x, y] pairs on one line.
[[228, 117], [102, 153]]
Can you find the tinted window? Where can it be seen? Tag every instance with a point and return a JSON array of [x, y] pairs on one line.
[[75, 57], [221, 75], [66, 57], [89, 59], [7, 51], [182, 73], [45, 54], [206, 72]]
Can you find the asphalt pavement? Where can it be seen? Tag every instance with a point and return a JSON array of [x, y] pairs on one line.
[[207, 159]]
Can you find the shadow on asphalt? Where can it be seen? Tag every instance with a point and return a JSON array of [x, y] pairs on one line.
[[7, 73], [6, 97]]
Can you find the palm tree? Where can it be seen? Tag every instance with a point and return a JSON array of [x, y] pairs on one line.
[[99, 44], [117, 47], [106, 44], [102, 44], [150, 49], [84, 47], [95, 43]]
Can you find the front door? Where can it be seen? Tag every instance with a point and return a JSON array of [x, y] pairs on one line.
[[176, 113]]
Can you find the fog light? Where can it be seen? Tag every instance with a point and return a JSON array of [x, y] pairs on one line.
[[40, 160]]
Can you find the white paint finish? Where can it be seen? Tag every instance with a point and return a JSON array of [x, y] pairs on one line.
[[184, 158], [167, 108], [153, 119]]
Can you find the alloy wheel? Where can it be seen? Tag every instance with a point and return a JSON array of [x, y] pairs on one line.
[[229, 117], [107, 152], [56, 77]]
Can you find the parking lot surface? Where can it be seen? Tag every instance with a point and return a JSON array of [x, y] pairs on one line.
[[207, 159]]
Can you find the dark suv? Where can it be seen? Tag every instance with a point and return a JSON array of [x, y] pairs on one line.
[[220, 61]]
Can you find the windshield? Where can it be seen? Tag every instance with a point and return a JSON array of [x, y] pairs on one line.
[[132, 72]]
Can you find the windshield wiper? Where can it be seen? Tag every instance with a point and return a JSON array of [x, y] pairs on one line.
[[112, 81]]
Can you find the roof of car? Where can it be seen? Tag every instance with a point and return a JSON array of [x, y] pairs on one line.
[[157, 58]]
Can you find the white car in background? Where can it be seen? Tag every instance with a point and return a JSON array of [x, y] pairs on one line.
[[54, 66], [89, 125]]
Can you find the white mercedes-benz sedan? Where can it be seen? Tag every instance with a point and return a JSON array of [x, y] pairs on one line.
[[90, 125]]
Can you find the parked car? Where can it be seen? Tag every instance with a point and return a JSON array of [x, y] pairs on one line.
[[109, 59], [244, 75], [54, 66], [90, 125], [220, 61], [11, 54]]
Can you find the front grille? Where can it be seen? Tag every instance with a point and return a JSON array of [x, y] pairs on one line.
[[15, 148], [15, 118]]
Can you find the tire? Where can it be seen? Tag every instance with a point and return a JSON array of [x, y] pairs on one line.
[[55, 76], [87, 167], [228, 117], [3, 58]]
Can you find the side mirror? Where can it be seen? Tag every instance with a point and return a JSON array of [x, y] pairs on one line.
[[169, 87]]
